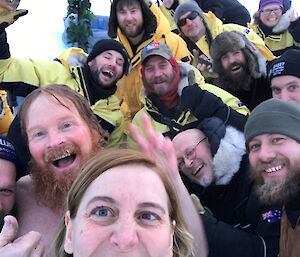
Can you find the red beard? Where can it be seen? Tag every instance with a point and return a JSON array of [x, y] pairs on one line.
[[50, 187]]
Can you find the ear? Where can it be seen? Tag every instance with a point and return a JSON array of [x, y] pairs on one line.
[[171, 241], [68, 244]]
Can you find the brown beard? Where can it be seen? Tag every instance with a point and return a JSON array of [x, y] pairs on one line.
[[275, 192], [242, 82], [51, 188]]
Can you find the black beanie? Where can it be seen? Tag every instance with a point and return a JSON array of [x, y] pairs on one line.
[[214, 129], [274, 116], [110, 44], [287, 64]]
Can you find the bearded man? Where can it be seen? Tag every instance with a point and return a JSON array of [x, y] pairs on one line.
[[241, 68], [59, 143], [273, 141]]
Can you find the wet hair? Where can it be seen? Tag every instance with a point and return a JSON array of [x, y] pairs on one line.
[[108, 159], [60, 93]]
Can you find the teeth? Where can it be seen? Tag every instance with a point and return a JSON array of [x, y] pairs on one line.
[[109, 72], [67, 154], [194, 173], [273, 169]]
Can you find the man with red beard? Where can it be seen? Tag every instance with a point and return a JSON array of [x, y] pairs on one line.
[[241, 68], [62, 133], [273, 140]]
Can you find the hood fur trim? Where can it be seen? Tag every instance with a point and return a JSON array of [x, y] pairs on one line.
[[229, 156], [232, 41], [150, 22], [283, 23]]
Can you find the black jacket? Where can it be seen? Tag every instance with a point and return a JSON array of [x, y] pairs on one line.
[[237, 224], [229, 11]]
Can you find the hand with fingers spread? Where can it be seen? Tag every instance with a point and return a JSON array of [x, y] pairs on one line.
[[157, 147], [28, 245]]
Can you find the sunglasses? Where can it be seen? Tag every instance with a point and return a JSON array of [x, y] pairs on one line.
[[192, 16]]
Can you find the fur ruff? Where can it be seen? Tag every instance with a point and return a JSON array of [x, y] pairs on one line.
[[229, 156]]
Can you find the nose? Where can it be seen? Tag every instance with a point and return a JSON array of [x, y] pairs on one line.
[[285, 95], [266, 154], [157, 72], [188, 163], [125, 236], [55, 138]]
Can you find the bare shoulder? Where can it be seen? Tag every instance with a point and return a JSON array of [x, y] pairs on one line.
[[24, 185]]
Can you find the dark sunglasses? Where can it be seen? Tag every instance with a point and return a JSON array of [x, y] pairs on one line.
[[191, 16]]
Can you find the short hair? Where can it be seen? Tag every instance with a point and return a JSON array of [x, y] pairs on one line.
[[110, 158], [60, 92]]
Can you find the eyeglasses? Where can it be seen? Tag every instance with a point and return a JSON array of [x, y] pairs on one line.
[[269, 11], [189, 155], [191, 16]]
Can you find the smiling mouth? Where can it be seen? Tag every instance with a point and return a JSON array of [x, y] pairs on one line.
[[108, 73], [273, 169], [195, 172], [64, 160], [236, 68]]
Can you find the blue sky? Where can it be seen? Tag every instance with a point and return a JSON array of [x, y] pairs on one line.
[[38, 34]]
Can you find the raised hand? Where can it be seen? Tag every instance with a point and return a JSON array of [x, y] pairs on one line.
[[29, 245], [157, 147]]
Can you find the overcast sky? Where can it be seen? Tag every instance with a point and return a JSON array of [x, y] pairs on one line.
[[38, 34]]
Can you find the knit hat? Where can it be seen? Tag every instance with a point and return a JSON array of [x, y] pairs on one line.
[[156, 48], [230, 41], [189, 6], [7, 150], [274, 116], [263, 3], [287, 64], [110, 44]]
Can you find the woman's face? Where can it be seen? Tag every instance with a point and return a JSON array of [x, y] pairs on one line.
[[270, 15], [124, 212]]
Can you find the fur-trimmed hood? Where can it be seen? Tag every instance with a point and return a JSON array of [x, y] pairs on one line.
[[229, 155], [150, 22], [281, 26], [233, 41]]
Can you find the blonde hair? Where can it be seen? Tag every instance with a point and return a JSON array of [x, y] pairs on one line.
[[107, 159]]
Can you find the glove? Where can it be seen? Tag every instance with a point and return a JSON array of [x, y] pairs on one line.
[[201, 103], [9, 17]]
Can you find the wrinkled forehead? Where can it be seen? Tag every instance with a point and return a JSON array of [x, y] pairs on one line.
[[187, 139]]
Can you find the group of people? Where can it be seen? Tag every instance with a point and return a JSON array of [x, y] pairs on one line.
[[135, 150]]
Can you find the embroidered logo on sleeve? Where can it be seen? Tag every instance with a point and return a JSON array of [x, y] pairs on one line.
[[271, 216]]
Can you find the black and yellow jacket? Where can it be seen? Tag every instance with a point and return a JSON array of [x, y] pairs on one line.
[[22, 76], [285, 35], [157, 29], [170, 122]]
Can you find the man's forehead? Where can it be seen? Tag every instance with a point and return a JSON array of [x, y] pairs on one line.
[[113, 52], [127, 4], [188, 136]]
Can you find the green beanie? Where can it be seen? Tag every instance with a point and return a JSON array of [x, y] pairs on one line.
[[274, 116]]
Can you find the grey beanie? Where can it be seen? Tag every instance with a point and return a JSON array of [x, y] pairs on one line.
[[189, 6], [274, 116]]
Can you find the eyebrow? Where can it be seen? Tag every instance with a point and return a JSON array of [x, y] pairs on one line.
[[108, 199], [152, 205]]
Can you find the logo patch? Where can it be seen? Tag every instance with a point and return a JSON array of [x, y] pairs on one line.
[[271, 216]]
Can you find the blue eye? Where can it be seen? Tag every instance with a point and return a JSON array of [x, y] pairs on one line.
[[66, 125], [149, 216], [103, 212]]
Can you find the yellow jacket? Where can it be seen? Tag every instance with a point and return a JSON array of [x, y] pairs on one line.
[[169, 14], [129, 87], [277, 43], [6, 116], [216, 27], [186, 118]]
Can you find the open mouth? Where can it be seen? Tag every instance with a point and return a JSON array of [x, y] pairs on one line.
[[236, 68], [273, 169], [108, 73], [195, 172], [64, 160]]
